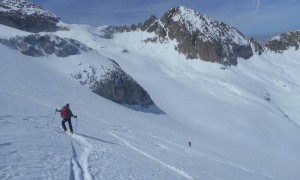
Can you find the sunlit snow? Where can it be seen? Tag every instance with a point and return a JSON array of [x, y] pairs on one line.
[[243, 121]]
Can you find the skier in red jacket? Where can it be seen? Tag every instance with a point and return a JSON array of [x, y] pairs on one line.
[[66, 114]]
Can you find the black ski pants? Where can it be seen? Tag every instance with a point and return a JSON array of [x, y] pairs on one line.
[[70, 124]]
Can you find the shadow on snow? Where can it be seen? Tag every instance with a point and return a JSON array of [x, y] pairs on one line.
[[90, 137]]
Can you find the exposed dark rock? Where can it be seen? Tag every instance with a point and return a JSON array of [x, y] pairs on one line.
[[153, 25], [284, 42], [115, 85], [36, 45], [257, 48], [26, 16], [201, 37], [150, 25]]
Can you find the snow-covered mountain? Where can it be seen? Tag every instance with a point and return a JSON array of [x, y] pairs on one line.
[[197, 36], [242, 121], [109, 81]]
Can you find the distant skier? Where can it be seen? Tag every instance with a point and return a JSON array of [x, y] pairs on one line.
[[190, 144], [66, 114]]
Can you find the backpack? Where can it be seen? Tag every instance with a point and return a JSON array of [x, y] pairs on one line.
[[65, 113]]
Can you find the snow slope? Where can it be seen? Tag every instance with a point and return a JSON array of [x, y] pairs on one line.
[[243, 121]]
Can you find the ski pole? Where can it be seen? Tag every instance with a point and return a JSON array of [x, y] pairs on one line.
[[53, 117], [76, 125]]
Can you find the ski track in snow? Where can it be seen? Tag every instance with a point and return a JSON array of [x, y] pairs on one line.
[[83, 161], [216, 159], [79, 168], [180, 172], [76, 171]]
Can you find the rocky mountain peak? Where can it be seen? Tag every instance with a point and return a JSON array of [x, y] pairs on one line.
[[197, 36], [24, 7], [209, 28], [188, 18], [284, 41], [27, 16], [148, 24], [200, 37]]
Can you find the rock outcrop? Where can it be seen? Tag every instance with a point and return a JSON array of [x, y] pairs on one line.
[[114, 84], [38, 45], [284, 41], [26, 16], [256, 47]]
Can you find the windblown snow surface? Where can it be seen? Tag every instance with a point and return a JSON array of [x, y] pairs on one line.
[[243, 121]]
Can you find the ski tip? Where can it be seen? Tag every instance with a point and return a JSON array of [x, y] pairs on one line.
[[70, 133]]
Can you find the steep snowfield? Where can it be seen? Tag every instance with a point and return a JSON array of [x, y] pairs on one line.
[[228, 108], [243, 121], [33, 147]]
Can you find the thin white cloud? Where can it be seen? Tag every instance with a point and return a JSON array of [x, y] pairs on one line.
[[257, 6]]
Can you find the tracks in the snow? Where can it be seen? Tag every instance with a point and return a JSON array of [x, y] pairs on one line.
[[79, 166], [172, 168], [76, 171]]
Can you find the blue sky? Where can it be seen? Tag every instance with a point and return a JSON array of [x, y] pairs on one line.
[[255, 18]]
